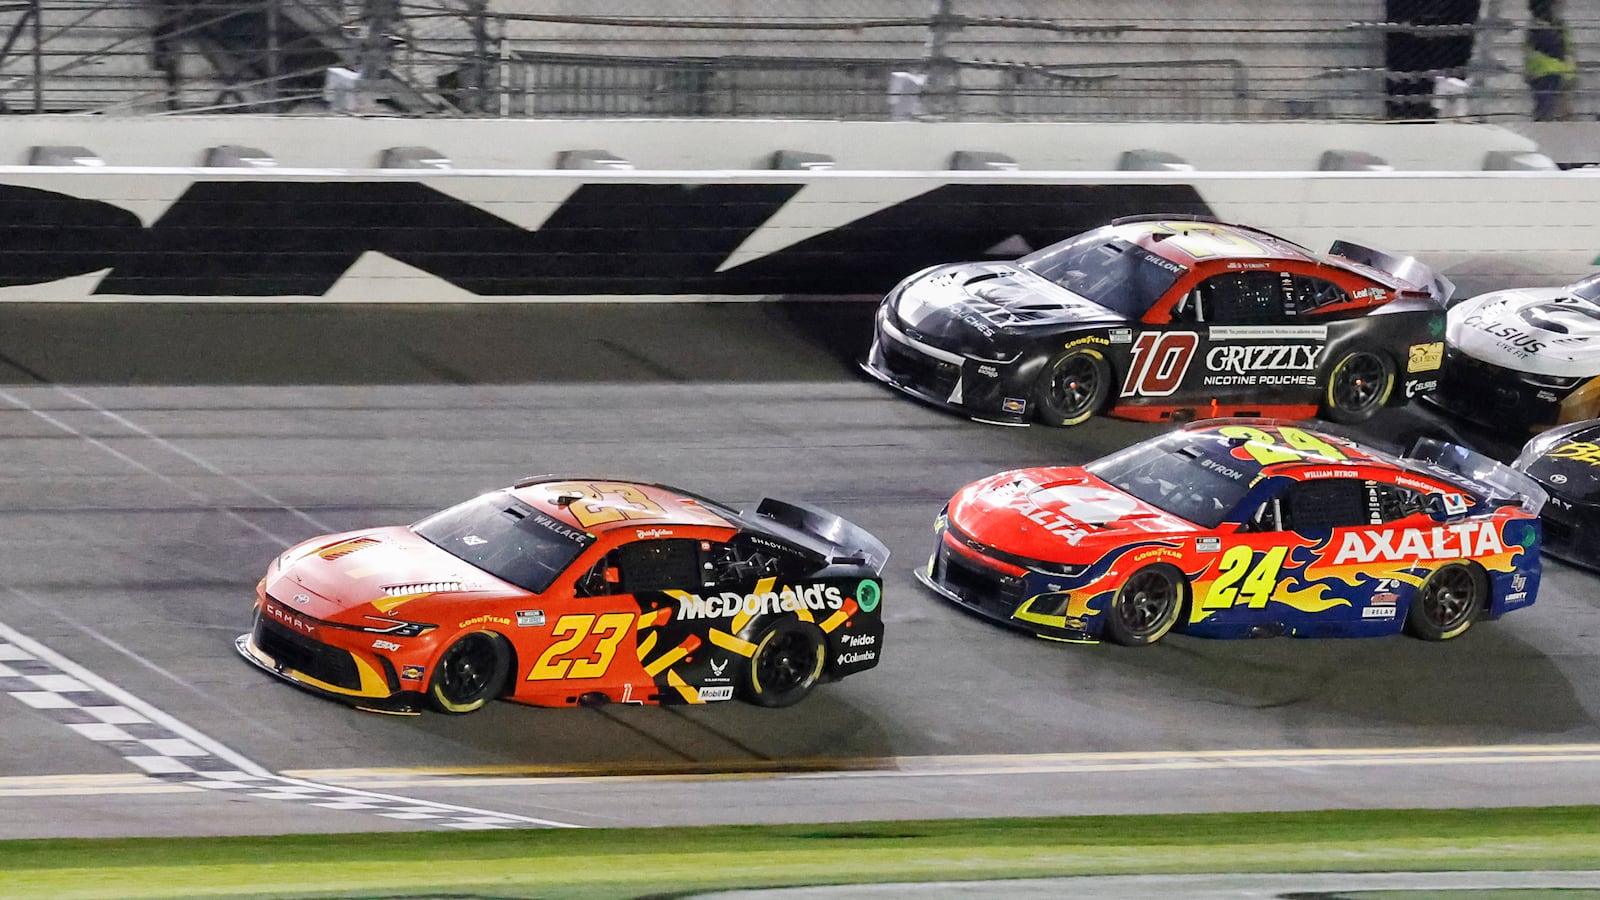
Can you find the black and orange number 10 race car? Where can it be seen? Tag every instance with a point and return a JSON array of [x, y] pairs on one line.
[[569, 592]]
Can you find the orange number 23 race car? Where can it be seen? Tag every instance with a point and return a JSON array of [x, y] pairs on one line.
[[567, 592]]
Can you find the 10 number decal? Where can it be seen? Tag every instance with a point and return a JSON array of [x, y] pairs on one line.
[[1160, 360]]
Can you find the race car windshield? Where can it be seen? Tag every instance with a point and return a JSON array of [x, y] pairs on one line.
[[1112, 272], [1588, 289], [1176, 475], [506, 538]]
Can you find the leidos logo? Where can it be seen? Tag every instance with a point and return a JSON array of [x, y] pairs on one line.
[[1438, 542], [727, 603]]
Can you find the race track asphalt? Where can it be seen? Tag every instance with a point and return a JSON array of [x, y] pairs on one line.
[[156, 457]]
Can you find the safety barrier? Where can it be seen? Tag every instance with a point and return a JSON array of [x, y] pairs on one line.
[[437, 235]]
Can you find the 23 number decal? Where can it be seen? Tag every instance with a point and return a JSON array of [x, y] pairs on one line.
[[559, 659], [1159, 363], [595, 509], [1245, 579]]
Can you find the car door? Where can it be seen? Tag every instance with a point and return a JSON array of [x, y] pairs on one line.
[[1255, 347], [1273, 574], [619, 601]]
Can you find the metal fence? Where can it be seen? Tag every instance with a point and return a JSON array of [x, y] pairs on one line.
[[1201, 60]]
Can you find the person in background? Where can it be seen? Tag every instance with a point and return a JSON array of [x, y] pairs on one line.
[[1548, 64]]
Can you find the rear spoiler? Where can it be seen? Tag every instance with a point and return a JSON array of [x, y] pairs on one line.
[[1407, 268], [1504, 484], [848, 542]]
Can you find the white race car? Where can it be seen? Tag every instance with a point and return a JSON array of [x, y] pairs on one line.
[[1524, 359]]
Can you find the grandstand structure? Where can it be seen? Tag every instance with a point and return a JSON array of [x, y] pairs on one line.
[[1003, 60]]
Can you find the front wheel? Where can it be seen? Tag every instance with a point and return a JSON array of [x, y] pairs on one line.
[[470, 673], [786, 664], [1358, 385], [1073, 387], [1146, 607], [1447, 603]]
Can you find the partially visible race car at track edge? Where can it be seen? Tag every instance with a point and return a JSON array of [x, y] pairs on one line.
[[1524, 359], [575, 592], [1566, 463], [1165, 318], [1242, 528]]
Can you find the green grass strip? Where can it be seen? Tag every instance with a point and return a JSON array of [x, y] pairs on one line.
[[622, 863]]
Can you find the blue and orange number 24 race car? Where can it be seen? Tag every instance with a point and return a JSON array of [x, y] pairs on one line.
[[575, 592], [1239, 528]]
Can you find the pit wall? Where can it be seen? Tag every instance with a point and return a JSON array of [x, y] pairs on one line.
[[339, 234]]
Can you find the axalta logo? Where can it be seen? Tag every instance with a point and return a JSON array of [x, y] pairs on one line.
[[1467, 539], [727, 603], [1242, 360]]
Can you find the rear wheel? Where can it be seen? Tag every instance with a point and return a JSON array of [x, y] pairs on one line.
[[1447, 603], [786, 664], [1073, 387], [471, 672], [1358, 385], [1146, 607]]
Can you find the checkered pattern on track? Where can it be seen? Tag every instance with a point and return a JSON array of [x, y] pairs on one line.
[[161, 752]]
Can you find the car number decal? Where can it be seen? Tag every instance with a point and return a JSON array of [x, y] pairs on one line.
[[1160, 360], [599, 504], [1244, 578], [559, 660], [1263, 446]]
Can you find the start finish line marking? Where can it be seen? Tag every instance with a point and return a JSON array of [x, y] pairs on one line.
[[166, 749]]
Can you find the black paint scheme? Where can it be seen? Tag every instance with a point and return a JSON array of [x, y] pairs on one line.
[[981, 348], [1566, 463]]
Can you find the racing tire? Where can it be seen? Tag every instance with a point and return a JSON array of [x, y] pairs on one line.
[[786, 665], [1146, 607], [1357, 386], [1073, 387], [471, 672], [1448, 602]]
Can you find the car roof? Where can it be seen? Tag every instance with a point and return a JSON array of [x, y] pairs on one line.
[[1302, 462], [1190, 241], [626, 504]]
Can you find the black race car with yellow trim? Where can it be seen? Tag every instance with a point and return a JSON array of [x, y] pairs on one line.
[[1240, 528], [1566, 463], [575, 592], [1165, 318]]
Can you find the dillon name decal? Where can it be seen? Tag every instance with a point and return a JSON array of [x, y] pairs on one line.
[[1468, 539]]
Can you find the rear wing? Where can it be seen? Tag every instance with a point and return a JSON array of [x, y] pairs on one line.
[[1407, 268], [1502, 483], [845, 540]]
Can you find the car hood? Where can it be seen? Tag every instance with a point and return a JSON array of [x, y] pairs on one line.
[[1057, 515], [1541, 331], [345, 577], [1566, 461], [979, 300]]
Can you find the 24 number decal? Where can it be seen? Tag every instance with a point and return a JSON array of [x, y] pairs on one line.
[[1244, 579], [1159, 363], [559, 659], [1262, 446]]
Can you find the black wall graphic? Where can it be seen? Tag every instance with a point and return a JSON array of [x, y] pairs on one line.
[[283, 238]]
